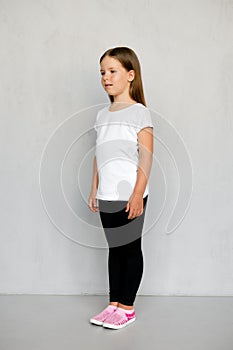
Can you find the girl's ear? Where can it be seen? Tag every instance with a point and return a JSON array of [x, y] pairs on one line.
[[131, 75]]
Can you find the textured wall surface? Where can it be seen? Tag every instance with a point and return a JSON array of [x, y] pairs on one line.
[[50, 91]]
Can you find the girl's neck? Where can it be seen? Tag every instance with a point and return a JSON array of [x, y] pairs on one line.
[[124, 97], [117, 100], [127, 99], [116, 106]]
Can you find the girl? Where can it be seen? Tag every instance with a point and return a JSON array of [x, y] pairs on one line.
[[122, 164]]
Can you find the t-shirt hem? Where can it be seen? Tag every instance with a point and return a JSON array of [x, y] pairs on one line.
[[115, 198]]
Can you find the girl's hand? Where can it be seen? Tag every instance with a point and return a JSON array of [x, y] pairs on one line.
[[92, 202], [135, 205]]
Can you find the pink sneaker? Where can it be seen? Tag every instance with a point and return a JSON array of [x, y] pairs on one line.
[[100, 318], [119, 319]]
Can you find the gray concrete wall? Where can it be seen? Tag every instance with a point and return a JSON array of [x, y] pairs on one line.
[[50, 92]]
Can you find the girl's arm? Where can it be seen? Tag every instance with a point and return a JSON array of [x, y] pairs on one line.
[[95, 177], [145, 141], [92, 201]]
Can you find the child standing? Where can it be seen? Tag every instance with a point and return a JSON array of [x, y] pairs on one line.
[[121, 169]]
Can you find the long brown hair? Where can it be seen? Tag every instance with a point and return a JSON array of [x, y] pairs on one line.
[[129, 61]]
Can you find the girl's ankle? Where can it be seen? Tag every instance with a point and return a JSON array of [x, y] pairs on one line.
[[114, 304], [125, 307]]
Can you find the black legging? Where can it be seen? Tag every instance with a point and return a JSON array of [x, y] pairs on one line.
[[125, 259]]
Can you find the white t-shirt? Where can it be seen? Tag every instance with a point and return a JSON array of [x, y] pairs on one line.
[[117, 153]]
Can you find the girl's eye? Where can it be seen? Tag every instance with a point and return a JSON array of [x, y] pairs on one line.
[[112, 71]]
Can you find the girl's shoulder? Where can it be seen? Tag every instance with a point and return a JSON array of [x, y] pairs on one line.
[[133, 112], [136, 116]]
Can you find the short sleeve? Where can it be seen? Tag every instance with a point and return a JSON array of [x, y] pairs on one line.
[[144, 120]]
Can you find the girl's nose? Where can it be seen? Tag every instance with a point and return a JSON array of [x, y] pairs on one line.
[[105, 77]]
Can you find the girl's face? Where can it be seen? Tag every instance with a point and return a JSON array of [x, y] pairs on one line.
[[115, 78]]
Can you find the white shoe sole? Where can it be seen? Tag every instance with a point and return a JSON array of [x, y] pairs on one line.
[[112, 326], [96, 322]]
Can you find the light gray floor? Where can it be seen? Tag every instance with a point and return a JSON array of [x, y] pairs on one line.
[[62, 322]]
